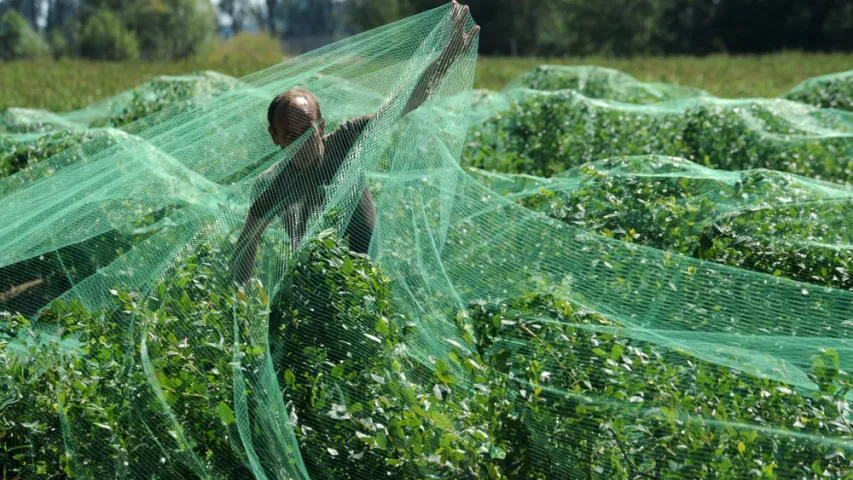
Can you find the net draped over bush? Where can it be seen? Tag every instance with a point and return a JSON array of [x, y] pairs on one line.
[[645, 281]]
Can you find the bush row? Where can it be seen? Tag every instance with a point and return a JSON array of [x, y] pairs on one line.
[[534, 387], [757, 220], [576, 116]]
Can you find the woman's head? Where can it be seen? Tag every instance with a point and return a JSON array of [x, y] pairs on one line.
[[293, 113]]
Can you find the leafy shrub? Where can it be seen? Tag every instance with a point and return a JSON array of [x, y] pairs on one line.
[[60, 46], [164, 92], [17, 154], [737, 221], [17, 38], [544, 134], [334, 339], [601, 83], [173, 29], [547, 132], [831, 91], [104, 38], [535, 388], [30, 432], [582, 400]]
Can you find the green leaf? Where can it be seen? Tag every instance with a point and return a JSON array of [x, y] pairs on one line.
[[441, 366], [289, 377], [225, 413], [616, 352], [348, 266], [441, 420], [338, 370], [417, 443], [381, 440], [497, 452], [817, 468]]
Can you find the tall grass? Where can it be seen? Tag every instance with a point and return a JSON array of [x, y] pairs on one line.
[[68, 84], [73, 83], [723, 75]]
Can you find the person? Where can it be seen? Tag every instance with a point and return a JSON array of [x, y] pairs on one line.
[[296, 190]]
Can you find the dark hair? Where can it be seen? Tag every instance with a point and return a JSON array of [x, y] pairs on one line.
[[287, 98]]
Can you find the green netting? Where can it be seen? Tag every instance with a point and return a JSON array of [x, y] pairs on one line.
[[581, 276]]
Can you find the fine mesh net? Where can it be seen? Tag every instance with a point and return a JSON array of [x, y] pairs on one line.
[[617, 280]]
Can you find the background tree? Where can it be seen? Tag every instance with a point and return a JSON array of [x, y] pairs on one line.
[[363, 15], [17, 38], [630, 27], [105, 38], [313, 17], [173, 29], [28, 9], [167, 29], [237, 11], [272, 12]]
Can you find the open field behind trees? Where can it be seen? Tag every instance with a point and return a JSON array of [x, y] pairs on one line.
[[74, 83]]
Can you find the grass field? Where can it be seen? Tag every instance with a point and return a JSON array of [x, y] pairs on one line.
[[71, 84], [722, 75]]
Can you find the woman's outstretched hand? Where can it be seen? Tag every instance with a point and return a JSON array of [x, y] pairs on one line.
[[460, 41]]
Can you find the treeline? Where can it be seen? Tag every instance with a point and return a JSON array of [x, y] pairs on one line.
[[170, 29], [631, 27], [106, 29], [588, 27]]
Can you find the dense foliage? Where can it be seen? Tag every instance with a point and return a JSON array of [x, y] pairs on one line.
[[831, 91], [110, 30], [532, 374], [562, 124], [104, 38], [534, 386], [17, 38], [174, 28], [20, 151], [626, 27], [758, 220]]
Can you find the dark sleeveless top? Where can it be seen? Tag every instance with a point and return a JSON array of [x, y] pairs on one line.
[[284, 186]]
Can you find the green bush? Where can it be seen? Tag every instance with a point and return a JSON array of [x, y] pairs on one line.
[[535, 387], [736, 221], [173, 29], [17, 38], [547, 132], [570, 396], [335, 341], [104, 38], [59, 45], [830, 91], [17, 154]]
